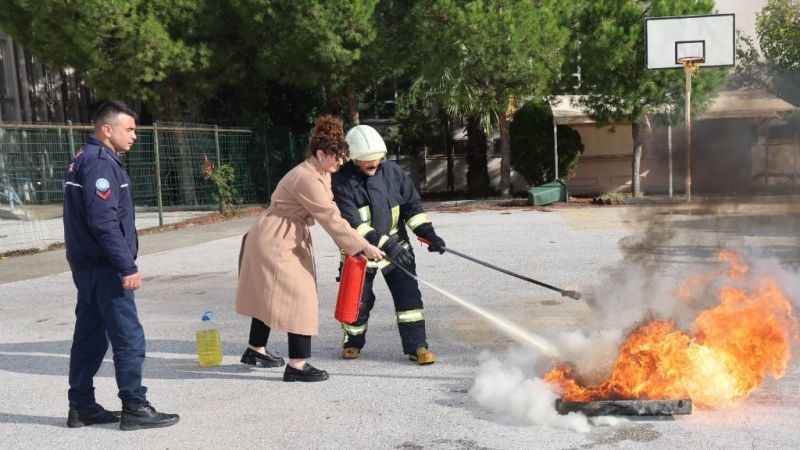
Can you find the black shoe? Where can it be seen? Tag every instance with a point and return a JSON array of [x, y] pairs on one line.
[[142, 415], [92, 416], [254, 358], [309, 373]]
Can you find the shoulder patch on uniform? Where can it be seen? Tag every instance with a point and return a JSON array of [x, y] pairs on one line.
[[102, 185], [103, 188]]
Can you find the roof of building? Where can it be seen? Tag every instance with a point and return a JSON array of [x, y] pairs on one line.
[[738, 104], [746, 103]]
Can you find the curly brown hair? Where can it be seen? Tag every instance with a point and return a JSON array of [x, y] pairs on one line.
[[328, 136]]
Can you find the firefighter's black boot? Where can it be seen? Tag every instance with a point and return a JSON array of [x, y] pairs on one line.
[[141, 415]]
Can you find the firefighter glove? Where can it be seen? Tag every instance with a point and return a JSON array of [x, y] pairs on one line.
[[435, 243], [398, 254]]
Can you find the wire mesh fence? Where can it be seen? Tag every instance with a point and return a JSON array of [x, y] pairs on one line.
[[166, 166]]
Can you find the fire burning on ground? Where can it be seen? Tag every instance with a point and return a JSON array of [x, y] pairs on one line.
[[733, 347]]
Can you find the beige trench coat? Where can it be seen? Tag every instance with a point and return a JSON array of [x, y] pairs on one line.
[[277, 282]]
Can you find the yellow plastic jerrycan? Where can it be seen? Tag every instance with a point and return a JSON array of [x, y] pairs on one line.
[[209, 344]]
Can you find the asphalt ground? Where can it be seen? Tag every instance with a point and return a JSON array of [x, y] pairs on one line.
[[483, 392]]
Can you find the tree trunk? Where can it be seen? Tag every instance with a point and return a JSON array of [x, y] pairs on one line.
[[641, 133], [448, 148], [38, 92], [188, 161], [637, 160], [477, 170], [352, 105], [24, 85], [505, 153], [420, 168]]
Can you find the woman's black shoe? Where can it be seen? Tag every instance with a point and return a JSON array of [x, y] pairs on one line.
[[308, 373], [254, 358]]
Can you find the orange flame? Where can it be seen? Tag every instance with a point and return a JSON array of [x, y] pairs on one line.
[[738, 269], [735, 346]]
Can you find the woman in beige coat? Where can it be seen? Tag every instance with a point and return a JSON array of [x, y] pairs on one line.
[[277, 279]]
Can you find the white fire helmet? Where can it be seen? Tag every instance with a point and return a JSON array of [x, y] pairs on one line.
[[365, 143]]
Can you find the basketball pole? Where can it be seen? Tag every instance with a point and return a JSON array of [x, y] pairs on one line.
[[689, 67]]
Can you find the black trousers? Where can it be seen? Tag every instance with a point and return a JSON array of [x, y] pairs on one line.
[[407, 299], [299, 344]]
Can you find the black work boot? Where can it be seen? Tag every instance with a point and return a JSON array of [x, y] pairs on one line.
[[136, 416], [308, 373], [94, 415], [254, 358]]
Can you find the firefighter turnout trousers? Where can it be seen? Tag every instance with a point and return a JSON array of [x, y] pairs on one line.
[[408, 307]]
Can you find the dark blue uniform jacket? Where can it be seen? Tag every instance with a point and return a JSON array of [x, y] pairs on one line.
[[389, 196], [99, 222]]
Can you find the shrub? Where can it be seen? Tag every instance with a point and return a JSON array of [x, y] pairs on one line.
[[222, 178], [532, 144]]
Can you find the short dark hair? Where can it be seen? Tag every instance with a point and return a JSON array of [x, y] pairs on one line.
[[107, 110]]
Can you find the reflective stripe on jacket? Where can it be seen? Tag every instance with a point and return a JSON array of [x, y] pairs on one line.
[[379, 206]]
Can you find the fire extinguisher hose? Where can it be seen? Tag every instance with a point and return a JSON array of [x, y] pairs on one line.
[[511, 329]]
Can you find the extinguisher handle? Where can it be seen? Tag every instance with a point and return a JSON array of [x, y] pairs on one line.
[[424, 241]]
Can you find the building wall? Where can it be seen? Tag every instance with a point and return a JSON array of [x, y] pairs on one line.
[[605, 165], [435, 180], [729, 156]]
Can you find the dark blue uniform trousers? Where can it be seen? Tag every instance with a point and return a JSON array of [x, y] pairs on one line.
[[406, 296], [105, 312]]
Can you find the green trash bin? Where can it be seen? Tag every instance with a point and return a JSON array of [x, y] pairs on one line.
[[555, 191]]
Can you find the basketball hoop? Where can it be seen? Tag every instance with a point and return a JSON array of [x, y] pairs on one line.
[[691, 60], [688, 42], [691, 63]]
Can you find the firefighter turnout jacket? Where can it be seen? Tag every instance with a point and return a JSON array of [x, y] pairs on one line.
[[379, 206], [99, 219]]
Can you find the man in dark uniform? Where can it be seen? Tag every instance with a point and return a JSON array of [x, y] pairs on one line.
[[101, 241], [379, 199]]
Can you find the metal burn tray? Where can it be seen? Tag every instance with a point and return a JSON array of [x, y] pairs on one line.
[[626, 407]]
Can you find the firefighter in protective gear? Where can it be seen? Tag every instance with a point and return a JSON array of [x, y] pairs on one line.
[[379, 200]]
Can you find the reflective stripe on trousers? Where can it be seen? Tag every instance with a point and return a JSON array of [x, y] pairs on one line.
[[408, 306]]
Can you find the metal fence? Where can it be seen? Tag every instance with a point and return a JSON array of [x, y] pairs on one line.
[[165, 165]]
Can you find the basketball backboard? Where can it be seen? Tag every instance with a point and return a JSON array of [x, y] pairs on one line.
[[707, 40]]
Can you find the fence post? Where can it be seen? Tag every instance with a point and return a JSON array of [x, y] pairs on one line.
[[71, 138], [219, 162], [159, 201], [216, 143]]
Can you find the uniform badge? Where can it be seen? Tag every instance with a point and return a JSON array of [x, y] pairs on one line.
[[103, 188]]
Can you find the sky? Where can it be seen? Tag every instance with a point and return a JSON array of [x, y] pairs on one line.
[[745, 11]]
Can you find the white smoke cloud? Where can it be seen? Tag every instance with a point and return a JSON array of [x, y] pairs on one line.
[[510, 389], [511, 386], [591, 353]]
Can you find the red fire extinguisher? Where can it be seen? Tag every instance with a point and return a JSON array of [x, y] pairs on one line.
[[351, 286]]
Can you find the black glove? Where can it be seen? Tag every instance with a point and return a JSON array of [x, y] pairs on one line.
[[397, 254], [435, 243]]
